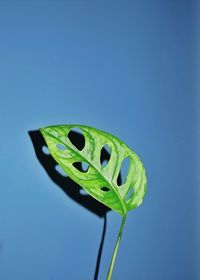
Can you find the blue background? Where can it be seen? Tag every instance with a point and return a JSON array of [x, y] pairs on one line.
[[129, 68]]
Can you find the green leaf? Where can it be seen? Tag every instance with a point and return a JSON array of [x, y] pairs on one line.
[[98, 180]]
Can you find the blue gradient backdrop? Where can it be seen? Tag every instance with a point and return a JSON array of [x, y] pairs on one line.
[[127, 67]]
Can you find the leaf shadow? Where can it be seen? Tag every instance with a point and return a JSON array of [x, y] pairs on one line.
[[71, 188]]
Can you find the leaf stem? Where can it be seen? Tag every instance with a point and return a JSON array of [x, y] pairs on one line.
[[112, 263]]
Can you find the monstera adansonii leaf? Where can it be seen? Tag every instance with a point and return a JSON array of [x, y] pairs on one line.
[[99, 180]]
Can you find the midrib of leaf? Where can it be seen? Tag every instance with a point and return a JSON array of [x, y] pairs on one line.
[[97, 170]]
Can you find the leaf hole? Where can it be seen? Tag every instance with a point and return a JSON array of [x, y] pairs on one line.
[[81, 166], [60, 170], [105, 189], [77, 138], [129, 194], [105, 155], [45, 150], [123, 171], [61, 147]]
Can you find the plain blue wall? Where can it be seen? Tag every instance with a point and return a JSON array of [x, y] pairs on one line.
[[127, 67]]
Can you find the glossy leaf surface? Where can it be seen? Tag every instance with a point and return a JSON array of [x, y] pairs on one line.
[[99, 180]]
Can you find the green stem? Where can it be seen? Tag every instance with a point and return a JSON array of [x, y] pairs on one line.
[[112, 263]]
